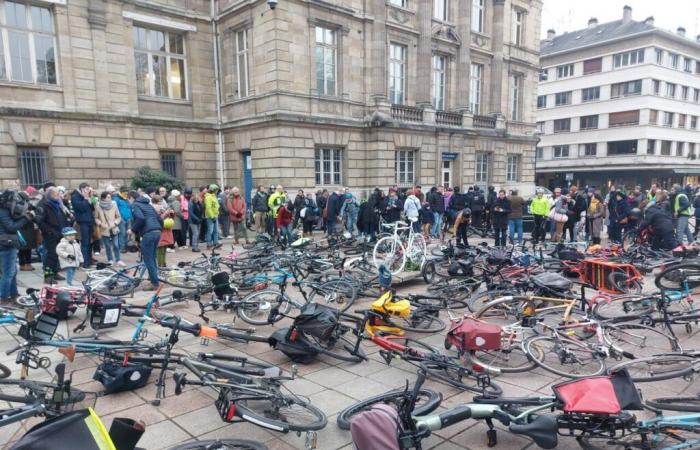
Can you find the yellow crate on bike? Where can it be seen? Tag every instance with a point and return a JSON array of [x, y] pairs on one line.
[[386, 305]]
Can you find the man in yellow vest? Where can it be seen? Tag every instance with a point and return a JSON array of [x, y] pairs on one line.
[[539, 208], [682, 211], [275, 202]]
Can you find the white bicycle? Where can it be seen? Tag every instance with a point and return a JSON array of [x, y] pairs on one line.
[[391, 252]]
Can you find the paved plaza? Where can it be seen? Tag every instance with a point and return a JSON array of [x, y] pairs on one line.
[[329, 384]]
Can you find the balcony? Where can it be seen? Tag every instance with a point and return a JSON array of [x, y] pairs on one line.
[[484, 122], [407, 113], [448, 118]]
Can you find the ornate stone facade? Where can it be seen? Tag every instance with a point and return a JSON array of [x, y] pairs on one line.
[[100, 120]]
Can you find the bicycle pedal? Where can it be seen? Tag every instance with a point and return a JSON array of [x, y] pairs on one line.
[[491, 439]]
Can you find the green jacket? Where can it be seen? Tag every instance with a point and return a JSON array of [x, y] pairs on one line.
[[539, 206]]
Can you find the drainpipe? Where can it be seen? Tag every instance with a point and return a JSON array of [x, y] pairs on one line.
[[217, 84]]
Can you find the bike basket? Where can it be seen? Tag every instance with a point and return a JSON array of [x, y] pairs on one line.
[[470, 334], [608, 394], [58, 301], [298, 350], [105, 314], [117, 377], [317, 320], [222, 284], [376, 428], [42, 329]]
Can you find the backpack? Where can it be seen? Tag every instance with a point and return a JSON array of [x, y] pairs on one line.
[[15, 202], [378, 428]]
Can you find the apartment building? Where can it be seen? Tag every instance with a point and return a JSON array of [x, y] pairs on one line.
[[312, 94], [618, 104]]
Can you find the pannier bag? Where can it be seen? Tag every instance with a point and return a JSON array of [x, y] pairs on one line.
[[118, 377], [378, 428], [317, 320], [470, 334], [82, 430], [299, 350], [607, 394]]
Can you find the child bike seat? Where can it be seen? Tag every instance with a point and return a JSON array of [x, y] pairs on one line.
[[543, 431], [386, 304]]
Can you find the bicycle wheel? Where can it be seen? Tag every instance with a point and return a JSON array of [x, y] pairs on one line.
[[421, 320], [390, 253], [4, 371], [624, 308], [564, 357], [338, 294], [429, 272], [666, 436], [459, 377], [510, 358], [657, 368], [427, 401], [684, 404], [639, 341], [679, 276], [417, 250], [623, 283], [281, 412], [255, 307], [188, 278], [454, 301], [221, 444], [115, 285]]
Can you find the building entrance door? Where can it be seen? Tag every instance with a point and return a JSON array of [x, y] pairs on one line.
[[446, 174]]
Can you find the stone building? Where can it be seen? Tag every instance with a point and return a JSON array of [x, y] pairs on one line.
[[315, 93]]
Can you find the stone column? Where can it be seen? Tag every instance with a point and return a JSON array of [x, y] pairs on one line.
[[377, 61], [98, 23], [497, 75], [463, 59], [423, 59]]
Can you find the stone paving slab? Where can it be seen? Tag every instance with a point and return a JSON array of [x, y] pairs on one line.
[[331, 385]]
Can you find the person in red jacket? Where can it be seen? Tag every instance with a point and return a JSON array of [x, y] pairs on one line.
[[236, 210], [285, 218]]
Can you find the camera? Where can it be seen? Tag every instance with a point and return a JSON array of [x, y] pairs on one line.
[[272, 3]]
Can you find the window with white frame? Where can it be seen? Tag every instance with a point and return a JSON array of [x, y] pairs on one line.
[[516, 83], [590, 94], [397, 74], [656, 86], [651, 146], [475, 82], [565, 71], [404, 167], [561, 151], [329, 166], [518, 23], [541, 101], [539, 153], [481, 172], [439, 78], [628, 58], [562, 98], [440, 9], [160, 63], [626, 89], [670, 90], [562, 125], [684, 92], [696, 95], [326, 53], [478, 16], [401, 3], [513, 168], [659, 56], [688, 65], [588, 122], [241, 51], [27, 43], [673, 60], [544, 74]]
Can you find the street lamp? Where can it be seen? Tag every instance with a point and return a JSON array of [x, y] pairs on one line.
[[272, 3]]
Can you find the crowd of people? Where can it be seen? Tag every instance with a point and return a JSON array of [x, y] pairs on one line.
[[70, 230]]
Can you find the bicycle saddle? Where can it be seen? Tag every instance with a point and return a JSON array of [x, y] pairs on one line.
[[543, 431]]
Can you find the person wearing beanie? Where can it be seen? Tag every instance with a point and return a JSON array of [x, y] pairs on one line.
[[69, 254]]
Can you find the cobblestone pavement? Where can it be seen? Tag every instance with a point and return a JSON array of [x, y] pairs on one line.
[[331, 385]]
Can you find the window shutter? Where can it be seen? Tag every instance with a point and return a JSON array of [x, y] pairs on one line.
[[592, 65]]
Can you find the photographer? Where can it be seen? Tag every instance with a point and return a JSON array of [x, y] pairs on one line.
[[12, 219]]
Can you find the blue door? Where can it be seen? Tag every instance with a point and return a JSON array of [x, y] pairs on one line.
[[247, 177]]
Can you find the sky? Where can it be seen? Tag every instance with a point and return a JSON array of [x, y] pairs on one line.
[[570, 15]]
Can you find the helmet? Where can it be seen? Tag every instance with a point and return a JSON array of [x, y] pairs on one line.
[[636, 213], [168, 223], [539, 191], [67, 231], [466, 212]]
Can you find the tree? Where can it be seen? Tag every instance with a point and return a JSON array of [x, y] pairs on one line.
[[147, 177]]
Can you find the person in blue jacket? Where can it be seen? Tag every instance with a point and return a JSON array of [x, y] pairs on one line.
[[148, 224], [80, 200], [122, 199]]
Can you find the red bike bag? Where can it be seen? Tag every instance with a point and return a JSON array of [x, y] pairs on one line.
[[470, 334], [609, 394]]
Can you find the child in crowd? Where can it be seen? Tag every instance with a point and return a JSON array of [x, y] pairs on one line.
[[69, 255], [426, 218]]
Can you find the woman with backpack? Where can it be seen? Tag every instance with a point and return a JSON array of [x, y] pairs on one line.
[[309, 215]]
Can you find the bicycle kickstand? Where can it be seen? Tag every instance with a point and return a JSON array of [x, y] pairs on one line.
[[491, 438]]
